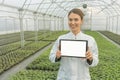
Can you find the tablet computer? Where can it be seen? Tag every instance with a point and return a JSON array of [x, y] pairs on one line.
[[73, 48]]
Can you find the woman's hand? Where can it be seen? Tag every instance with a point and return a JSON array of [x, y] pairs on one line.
[[58, 54], [89, 55]]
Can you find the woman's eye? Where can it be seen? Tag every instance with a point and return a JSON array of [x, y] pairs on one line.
[[70, 19], [76, 19]]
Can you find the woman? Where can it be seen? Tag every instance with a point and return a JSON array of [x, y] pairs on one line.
[[75, 68]]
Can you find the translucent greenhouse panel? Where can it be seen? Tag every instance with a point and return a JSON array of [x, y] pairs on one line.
[[112, 10], [44, 8], [1, 1], [51, 9], [118, 30], [9, 25], [17, 26], [114, 24], [118, 1], [111, 24], [98, 22], [16, 3], [7, 11], [41, 23], [52, 25], [117, 8], [87, 21], [30, 24], [32, 7], [46, 22], [2, 26], [66, 26], [93, 20]]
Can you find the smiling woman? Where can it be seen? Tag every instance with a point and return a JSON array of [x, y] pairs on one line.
[[73, 68], [75, 21]]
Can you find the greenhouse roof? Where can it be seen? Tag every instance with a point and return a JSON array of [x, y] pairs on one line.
[[61, 7]]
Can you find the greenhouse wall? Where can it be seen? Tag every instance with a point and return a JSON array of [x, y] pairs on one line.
[[118, 30], [9, 21], [98, 23], [91, 22], [113, 24]]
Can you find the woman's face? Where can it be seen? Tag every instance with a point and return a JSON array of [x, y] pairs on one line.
[[74, 21]]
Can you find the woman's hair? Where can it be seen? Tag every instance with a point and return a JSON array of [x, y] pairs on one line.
[[77, 11]]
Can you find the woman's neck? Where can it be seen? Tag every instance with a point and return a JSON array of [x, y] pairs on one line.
[[75, 32]]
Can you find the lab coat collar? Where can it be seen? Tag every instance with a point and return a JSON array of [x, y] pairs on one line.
[[76, 36]]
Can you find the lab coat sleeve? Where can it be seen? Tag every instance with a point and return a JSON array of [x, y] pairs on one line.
[[94, 50], [53, 51]]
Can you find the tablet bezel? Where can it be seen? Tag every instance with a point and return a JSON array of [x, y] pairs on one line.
[[72, 40]]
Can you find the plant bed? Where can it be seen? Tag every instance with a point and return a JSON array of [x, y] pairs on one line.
[[114, 37], [12, 58], [109, 65]]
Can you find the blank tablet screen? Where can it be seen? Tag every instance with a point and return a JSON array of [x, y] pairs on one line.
[[73, 48]]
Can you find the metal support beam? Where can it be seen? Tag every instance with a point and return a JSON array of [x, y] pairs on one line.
[[43, 15], [6, 25], [59, 23], [35, 26], [13, 25], [26, 24], [91, 16], [106, 23], [50, 22], [62, 24], [3, 1], [44, 25], [107, 6], [117, 30], [21, 28], [54, 23], [112, 23], [109, 24]]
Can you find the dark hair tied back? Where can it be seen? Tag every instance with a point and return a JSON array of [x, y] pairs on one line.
[[77, 11]]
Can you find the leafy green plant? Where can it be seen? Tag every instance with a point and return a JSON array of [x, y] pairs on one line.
[[43, 63], [108, 67]]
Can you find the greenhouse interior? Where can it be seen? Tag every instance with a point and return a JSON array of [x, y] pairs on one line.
[[29, 29]]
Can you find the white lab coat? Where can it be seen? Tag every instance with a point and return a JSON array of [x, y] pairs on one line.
[[72, 68]]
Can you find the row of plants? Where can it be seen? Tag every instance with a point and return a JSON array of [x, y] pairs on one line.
[[107, 69], [11, 47], [8, 35], [109, 65], [41, 36], [35, 75], [48, 36], [55, 35], [16, 56], [4, 36], [112, 36], [28, 35], [43, 63], [14, 37], [12, 54], [39, 69]]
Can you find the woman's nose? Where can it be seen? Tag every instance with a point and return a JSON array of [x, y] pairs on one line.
[[72, 22]]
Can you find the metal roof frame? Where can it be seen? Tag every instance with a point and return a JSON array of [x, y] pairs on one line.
[[63, 6]]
